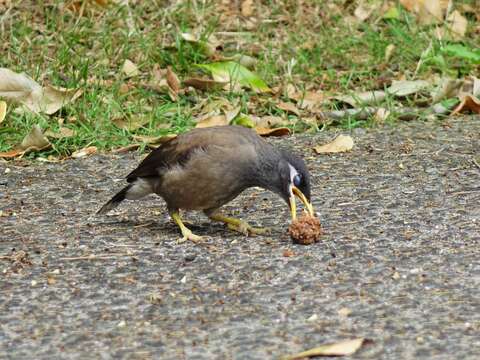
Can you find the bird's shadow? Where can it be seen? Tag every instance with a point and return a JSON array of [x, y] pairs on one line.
[[167, 228], [155, 227]]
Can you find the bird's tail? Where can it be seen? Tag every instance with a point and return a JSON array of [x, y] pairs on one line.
[[114, 201]]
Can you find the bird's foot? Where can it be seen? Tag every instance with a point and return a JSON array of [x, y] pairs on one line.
[[239, 225], [189, 235], [186, 232], [246, 229]]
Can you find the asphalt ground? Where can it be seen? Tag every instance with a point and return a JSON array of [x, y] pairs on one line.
[[398, 263]]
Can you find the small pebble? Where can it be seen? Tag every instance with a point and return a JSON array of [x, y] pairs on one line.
[[344, 312], [190, 257], [122, 324]]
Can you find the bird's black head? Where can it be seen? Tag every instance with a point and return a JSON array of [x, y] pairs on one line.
[[294, 173], [293, 180], [284, 173]]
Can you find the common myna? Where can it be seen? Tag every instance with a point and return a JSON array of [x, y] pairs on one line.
[[206, 168]]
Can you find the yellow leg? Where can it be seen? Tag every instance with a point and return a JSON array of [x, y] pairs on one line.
[[239, 225], [186, 232]]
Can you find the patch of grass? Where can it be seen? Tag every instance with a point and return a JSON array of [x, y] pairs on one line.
[[313, 46]]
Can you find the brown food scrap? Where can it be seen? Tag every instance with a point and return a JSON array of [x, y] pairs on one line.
[[288, 253], [305, 230]]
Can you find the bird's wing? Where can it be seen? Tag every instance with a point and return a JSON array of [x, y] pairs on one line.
[[178, 150], [173, 152]]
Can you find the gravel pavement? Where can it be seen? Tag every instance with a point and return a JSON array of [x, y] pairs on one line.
[[398, 263]]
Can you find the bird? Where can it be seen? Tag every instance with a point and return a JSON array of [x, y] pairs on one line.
[[205, 168]]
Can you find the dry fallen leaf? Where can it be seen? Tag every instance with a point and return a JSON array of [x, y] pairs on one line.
[[215, 120], [471, 85], [248, 61], [402, 88], [363, 11], [247, 8], [208, 46], [266, 132], [468, 103], [362, 98], [341, 143], [311, 100], [132, 123], [164, 81], [34, 141], [11, 153], [153, 140], [158, 73], [21, 88], [268, 121], [409, 4], [214, 106], [125, 88], [231, 114], [79, 6], [62, 133], [205, 84], [427, 11], [446, 88], [457, 24], [130, 69], [173, 81], [341, 348], [381, 115], [389, 52], [3, 110], [289, 91], [84, 152], [54, 98], [288, 107]]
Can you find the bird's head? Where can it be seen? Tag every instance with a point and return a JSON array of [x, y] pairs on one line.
[[291, 179]]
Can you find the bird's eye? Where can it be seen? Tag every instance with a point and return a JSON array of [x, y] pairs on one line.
[[297, 180]]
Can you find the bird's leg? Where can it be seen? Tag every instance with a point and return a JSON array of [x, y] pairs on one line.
[[186, 232], [238, 225]]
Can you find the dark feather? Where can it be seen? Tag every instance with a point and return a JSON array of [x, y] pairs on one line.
[[114, 201]]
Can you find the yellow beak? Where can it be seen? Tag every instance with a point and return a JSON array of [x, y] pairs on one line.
[[293, 205]]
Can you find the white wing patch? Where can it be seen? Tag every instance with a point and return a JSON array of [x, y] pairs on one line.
[[139, 189]]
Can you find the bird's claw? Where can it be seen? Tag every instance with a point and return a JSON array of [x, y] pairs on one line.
[[246, 229], [188, 235], [261, 231]]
